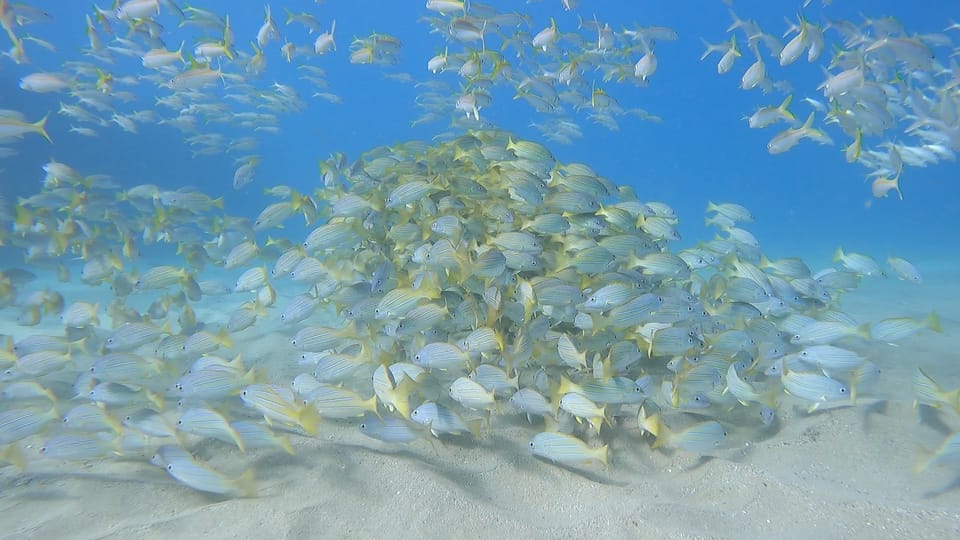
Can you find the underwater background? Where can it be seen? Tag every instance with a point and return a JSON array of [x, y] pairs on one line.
[[848, 467]]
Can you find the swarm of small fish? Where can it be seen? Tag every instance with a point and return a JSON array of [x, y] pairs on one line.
[[560, 70], [207, 78], [882, 83], [441, 291], [891, 92]]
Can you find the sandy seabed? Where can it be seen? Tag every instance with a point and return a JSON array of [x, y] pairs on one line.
[[841, 472]]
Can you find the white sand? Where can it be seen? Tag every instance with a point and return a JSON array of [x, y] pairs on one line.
[[845, 472]]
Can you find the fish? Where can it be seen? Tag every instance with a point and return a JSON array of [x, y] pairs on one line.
[[897, 328], [440, 420], [905, 270], [859, 263], [471, 395], [766, 116], [583, 409], [44, 83], [18, 424], [12, 127], [390, 429], [200, 477], [334, 402], [325, 41], [947, 454], [926, 391], [277, 404], [813, 387], [137, 9], [701, 438], [790, 137], [439, 355], [207, 422], [530, 402], [567, 449]]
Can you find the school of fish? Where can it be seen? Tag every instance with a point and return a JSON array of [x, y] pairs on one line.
[[443, 289], [886, 89]]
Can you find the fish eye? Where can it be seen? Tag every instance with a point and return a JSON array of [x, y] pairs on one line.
[[363, 425], [843, 389]]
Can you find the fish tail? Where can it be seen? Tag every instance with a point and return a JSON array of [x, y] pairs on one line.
[[475, 426], [246, 484], [14, 455], [223, 338], [238, 440], [41, 127], [933, 322], [156, 399], [783, 108], [309, 420], [596, 423], [924, 459], [651, 424], [603, 455], [285, 444], [371, 405], [769, 398], [896, 186]]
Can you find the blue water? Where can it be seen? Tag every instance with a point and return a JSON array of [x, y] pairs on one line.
[[808, 200]]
